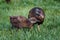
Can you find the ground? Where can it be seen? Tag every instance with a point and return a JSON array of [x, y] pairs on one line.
[[49, 30]]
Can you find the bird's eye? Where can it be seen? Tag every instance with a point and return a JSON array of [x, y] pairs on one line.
[[39, 11]]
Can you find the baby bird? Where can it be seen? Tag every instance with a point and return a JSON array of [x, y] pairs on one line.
[[38, 13], [22, 22]]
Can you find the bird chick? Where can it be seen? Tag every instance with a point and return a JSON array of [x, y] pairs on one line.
[[22, 22], [38, 13]]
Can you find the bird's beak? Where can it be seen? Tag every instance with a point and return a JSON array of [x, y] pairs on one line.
[[41, 16]]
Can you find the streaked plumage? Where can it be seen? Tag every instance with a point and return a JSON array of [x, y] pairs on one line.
[[21, 22]]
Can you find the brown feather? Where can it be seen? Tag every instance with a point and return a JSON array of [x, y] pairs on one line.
[[21, 22]]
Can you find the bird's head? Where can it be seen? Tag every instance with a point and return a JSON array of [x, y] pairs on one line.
[[39, 13]]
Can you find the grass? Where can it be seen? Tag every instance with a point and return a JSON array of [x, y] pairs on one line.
[[49, 30]]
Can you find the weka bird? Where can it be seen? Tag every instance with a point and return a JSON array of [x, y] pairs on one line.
[[38, 13], [22, 22]]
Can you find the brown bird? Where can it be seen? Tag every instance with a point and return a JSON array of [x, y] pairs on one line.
[[7, 1], [38, 13], [22, 22]]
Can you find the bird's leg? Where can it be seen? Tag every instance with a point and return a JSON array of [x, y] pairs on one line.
[[12, 26], [38, 27], [31, 28]]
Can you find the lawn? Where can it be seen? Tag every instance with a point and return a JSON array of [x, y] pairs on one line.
[[49, 30]]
